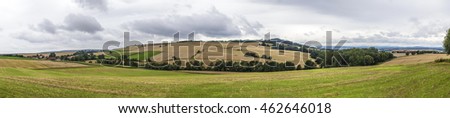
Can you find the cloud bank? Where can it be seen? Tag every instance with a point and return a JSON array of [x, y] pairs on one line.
[[33, 26], [93, 4], [82, 23], [211, 24]]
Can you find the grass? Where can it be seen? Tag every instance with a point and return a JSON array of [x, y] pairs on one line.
[[143, 55], [417, 80]]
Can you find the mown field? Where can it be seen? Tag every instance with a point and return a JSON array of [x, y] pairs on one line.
[[410, 80], [416, 59], [17, 62]]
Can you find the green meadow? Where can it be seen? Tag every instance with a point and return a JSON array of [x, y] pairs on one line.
[[415, 80]]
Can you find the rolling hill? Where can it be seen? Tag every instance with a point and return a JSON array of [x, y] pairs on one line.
[[35, 64], [212, 51]]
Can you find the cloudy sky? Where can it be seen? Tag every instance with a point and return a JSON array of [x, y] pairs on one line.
[[48, 25]]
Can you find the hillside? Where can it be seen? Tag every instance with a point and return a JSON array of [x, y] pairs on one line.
[[213, 51], [416, 59], [200, 50], [35, 64]]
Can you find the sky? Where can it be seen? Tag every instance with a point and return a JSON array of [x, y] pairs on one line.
[[51, 25]]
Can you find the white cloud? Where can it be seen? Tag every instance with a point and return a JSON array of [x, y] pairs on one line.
[[93, 4]]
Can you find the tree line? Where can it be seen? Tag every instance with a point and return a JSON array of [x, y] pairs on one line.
[[220, 65], [350, 57]]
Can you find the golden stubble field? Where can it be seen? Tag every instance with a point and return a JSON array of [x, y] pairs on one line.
[[416, 59], [36, 64], [212, 51]]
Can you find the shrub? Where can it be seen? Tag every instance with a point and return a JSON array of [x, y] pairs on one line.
[[289, 65], [299, 67], [310, 65], [252, 54], [266, 57], [319, 61], [442, 60], [368, 60]]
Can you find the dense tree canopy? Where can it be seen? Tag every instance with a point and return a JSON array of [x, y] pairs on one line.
[[351, 57], [447, 42], [52, 55]]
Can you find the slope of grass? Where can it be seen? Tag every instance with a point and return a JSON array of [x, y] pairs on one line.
[[144, 55], [416, 59], [421, 80]]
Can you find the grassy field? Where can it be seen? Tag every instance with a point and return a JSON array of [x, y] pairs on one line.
[[144, 55], [415, 80]]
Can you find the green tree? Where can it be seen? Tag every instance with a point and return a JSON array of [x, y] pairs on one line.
[[310, 65], [102, 56], [368, 60], [52, 55], [447, 42], [289, 65], [319, 61], [299, 67]]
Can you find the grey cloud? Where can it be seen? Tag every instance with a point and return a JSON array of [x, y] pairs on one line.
[[348, 7], [391, 38], [430, 29], [47, 26], [309, 33], [93, 4], [34, 37], [414, 20], [212, 24], [62, 40], [248, 27], [76, 27], [82, 23], [375, 38], [361, 10], [62, 37], [391, 34]]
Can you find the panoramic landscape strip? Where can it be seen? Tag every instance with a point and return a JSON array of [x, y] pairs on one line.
[[236, 69]]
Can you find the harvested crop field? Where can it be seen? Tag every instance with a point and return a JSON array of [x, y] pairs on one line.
[[36, 64], [416, 59]]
